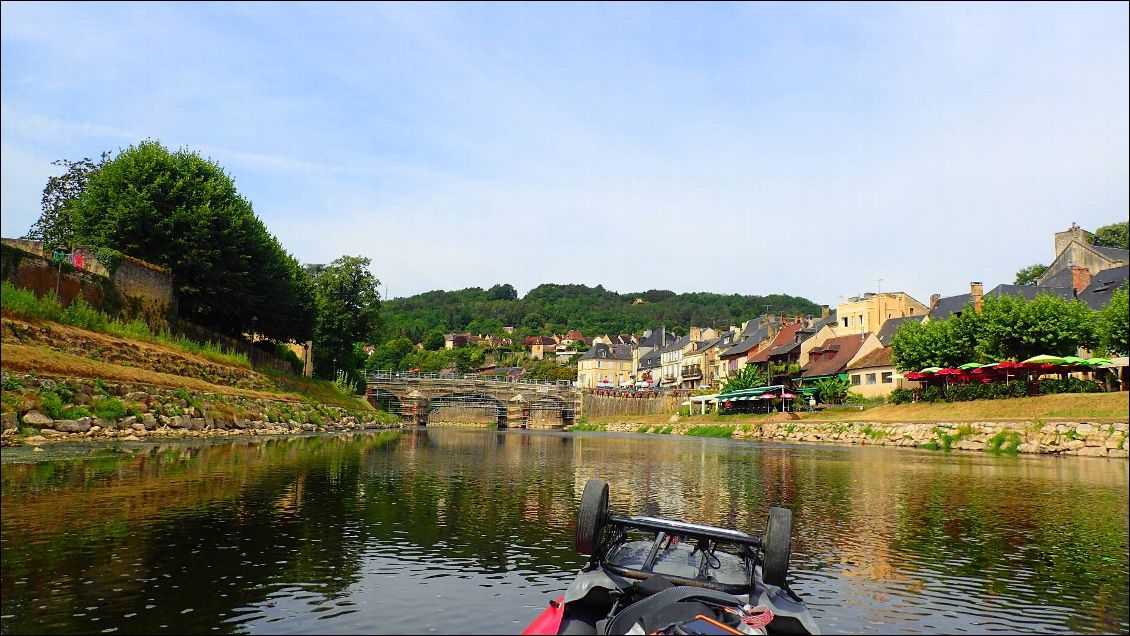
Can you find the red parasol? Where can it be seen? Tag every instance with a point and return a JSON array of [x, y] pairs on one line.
[[788, 396]]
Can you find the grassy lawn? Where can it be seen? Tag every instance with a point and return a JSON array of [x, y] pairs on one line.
[[1066, 406]]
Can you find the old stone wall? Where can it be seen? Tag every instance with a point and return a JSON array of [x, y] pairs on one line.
[[28, 270], [134, 289], [605, 405], [1065, 438]]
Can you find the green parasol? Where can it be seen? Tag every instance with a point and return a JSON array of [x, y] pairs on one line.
[[1043, 359], [970, 365], [930, 370]]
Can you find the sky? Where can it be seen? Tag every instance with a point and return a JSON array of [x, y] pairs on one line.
[[818, 150]]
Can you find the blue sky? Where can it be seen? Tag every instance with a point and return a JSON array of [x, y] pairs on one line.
[[806, 149]]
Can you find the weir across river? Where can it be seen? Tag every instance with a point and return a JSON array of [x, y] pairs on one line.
[[415, 396]]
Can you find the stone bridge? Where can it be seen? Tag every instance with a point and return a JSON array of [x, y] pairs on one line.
[[512, 403]]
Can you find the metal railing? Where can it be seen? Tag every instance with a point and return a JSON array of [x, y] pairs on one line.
[[386, 376]]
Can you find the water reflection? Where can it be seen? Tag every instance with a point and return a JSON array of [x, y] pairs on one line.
[[455, 531]]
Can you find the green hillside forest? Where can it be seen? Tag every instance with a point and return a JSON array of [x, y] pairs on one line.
[[552, 308]]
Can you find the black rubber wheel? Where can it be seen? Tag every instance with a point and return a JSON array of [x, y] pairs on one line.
[[591, 518], [777, 546]]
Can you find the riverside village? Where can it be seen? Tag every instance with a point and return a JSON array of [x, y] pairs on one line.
[[592, 318]]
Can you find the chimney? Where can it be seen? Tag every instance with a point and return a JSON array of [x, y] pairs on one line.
[[695, 333], [976, 292], [1080, 278], [1073, 233], [934, 298], [825, 311]]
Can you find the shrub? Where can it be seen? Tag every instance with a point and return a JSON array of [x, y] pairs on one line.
[[710, 431], [901, 396], [51, 404], [23, 303], [109, 407], [81, 314]]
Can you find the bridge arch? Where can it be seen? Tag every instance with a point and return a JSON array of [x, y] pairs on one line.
[[515, 402]]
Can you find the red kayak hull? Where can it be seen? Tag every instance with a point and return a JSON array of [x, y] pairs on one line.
[[549, 621]]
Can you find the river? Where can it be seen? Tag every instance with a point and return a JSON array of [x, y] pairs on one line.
[[470, 531]]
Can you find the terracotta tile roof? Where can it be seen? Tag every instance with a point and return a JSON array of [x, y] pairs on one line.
[[880, 357], [784, 336], [833, 355]]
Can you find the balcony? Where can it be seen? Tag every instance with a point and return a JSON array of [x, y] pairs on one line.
[[689, 373]]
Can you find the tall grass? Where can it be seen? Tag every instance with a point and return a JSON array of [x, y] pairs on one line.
[[23, 303], [710, 431]]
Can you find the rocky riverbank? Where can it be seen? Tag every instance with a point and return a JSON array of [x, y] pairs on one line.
[[1034, 437], [40, 410]]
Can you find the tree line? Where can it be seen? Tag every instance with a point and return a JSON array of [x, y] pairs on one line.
[[1011, 327], [553, 308]]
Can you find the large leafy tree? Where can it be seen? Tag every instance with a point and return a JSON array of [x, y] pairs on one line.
[[182, 211], [348, 308], [1007, 327], [1049, 324], [54, 226], [1114, 235], [1028, 275], [1113, 324]]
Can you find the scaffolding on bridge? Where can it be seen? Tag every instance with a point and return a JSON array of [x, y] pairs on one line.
[[471, 391]]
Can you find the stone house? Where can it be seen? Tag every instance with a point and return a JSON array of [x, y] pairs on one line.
[[605, 366]]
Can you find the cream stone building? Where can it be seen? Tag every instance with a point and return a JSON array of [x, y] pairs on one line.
[[605, 366], [867, 313]]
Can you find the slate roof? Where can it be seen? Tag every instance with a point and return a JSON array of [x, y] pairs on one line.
[[1113, 253], [657, 338], [606, 352], [889, 328], [676, 344], [1028, 292], [703, 345], [880, 357], [949, 305], [783, 349], [832, 356], [748, 342], [1062, 278], [1097, 294], [651, 360]]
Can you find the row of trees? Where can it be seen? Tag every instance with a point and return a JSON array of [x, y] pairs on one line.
[[1009, 327], [183, 212]]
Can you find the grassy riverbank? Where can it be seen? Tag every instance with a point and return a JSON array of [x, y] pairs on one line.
[[48, 348], [1093, 407]]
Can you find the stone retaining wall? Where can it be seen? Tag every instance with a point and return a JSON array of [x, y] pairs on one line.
[[1058, 437], [163, 412]]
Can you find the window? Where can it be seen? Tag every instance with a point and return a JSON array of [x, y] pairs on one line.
[[888, 377], [870, 378], [855, 380], [845, 321]]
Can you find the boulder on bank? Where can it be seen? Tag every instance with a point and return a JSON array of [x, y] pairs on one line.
[[35, 418], [80, 425]]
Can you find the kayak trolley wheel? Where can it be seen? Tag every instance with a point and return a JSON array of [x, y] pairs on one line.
[[592, 516], [777, 546]]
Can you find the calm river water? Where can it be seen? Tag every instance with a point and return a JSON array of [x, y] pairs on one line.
[[461, 531]]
